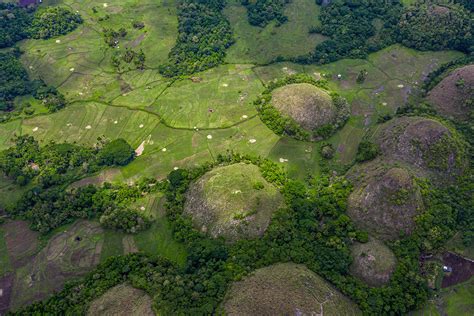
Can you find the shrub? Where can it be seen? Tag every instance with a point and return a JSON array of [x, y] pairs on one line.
[[117, 152], [367, 151], [126, 220]]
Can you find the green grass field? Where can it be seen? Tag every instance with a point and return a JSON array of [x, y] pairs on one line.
[[262, 45]]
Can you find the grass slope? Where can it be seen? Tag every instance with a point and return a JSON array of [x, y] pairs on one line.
[[286, 289], [262, 45], [233, 201]]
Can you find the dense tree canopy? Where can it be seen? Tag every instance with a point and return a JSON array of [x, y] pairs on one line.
[[117, 152], [14, 24], [428, 26], [14, 79], [204, 35], [53, 21], [262, 12]]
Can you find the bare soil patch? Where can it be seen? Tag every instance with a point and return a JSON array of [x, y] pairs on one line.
[[122, 300], [309, 106], [451, 95], [463, 269], [69, 254], [21, 241], [6, 285]]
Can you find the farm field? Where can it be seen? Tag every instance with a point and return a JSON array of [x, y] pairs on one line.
[[159, 175]]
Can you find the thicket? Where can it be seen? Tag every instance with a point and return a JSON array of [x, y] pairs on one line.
[[204, 35], [51, 22], [55, 164], [367, 150], [14, 79], [351, 29], [14, 24], [284, 125], [427, 26], [262, 12]]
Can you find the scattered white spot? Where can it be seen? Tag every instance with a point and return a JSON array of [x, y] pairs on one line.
[[80, 93], [88, 127], [69, 124], [282, 160], [164, 150], [209, 136], [105, 5], [285, 68], [225, 85], [236, 192], [140, 149], [71, 70], [384, 103], [252, 141], [175, 168], [58, 41], [339, 76], [31, 67], [142, 208], [35, 129], [141, 125], [400, 86], [115, 122], [195, 127], [245, 117]]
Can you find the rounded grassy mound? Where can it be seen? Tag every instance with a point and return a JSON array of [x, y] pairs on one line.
[[373, 262], [385, 202], [310, 106], [424, 143], [234, 202], [454, 94], [286, 289], [122, 299]]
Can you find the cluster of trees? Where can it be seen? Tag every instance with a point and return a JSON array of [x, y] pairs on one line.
[[51, 22], [204, 35], [367, 150], [284, 125], [111, 36], [14, 79], [351, 29], [427, 26], [55, 164], [47, 209], [127, 57], [262, 12], [14, 24]]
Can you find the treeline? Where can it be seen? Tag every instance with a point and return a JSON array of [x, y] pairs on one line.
[[262, 12], [204, 35], [51, 168], [55, 164]]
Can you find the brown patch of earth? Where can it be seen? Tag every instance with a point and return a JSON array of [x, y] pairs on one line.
[[450, 96], [21, 241], [6, 284], [69, 254], [463, 269]]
